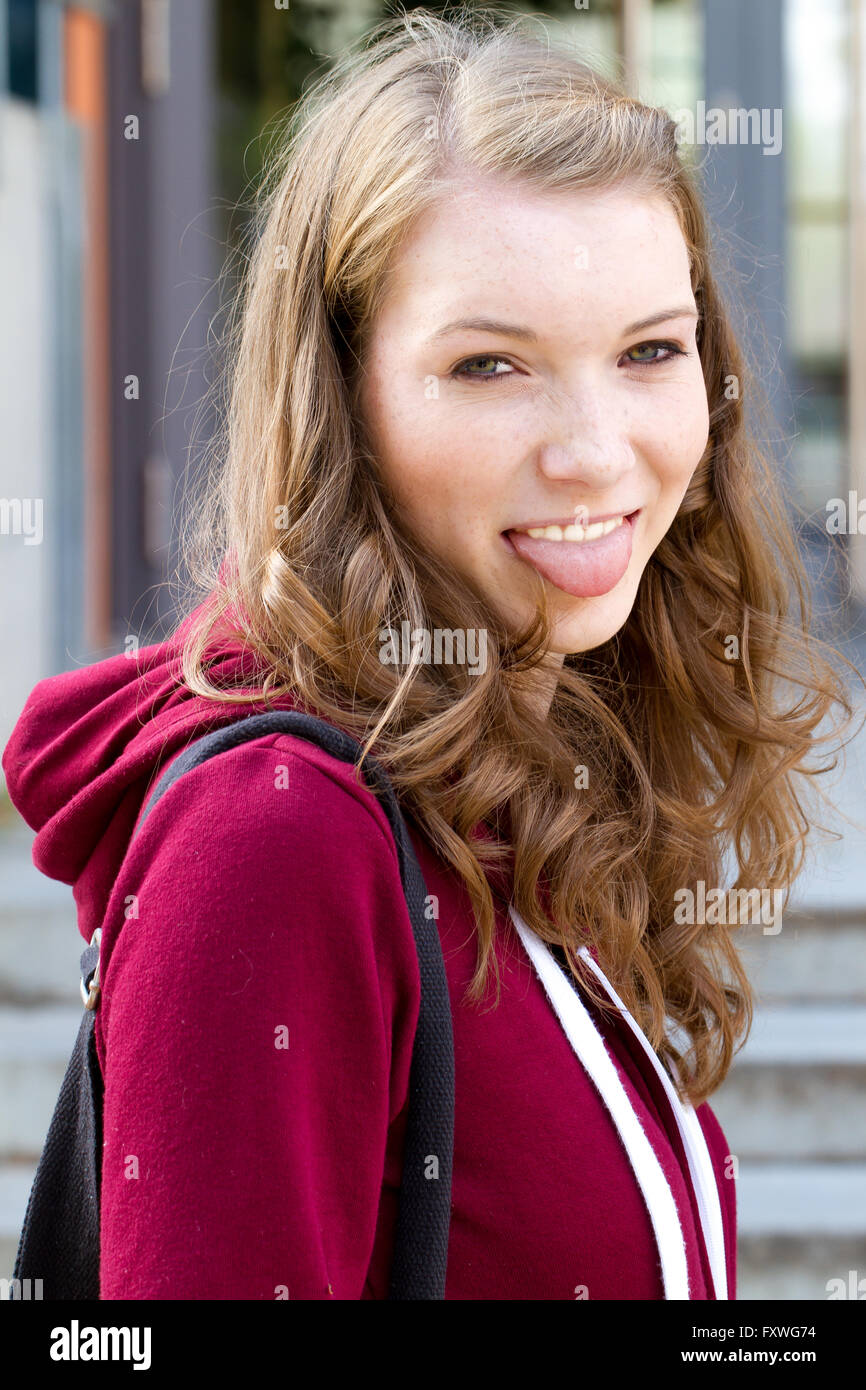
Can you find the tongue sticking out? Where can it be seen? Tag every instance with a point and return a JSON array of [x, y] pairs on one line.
[[583, 569]]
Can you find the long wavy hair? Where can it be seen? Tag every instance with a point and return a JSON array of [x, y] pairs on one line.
[[302, 553]]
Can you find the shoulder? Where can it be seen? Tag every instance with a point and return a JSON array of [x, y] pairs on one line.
[[260, 1001], [272, 785], [268, 858], [275, 821]]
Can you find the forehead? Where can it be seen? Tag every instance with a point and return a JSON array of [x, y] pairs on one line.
[[584, 252]]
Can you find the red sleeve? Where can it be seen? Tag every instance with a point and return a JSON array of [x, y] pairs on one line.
[[725, 1168], [256, 1030]]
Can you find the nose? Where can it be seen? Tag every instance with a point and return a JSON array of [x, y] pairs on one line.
[[586, 441]]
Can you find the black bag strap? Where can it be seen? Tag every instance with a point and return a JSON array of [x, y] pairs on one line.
[[58, 1251], [61, 1225]]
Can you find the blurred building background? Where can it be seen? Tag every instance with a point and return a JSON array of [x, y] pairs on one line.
[[129, 140]]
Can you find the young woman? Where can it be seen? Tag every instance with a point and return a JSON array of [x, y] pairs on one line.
[[487, 502]]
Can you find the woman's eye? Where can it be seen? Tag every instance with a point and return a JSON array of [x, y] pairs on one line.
[[489, 365], [489, 368], [670, 350]]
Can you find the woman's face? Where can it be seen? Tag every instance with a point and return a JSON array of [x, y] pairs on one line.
[[535, 355]]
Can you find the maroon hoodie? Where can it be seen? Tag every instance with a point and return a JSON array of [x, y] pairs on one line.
[[260, 992]]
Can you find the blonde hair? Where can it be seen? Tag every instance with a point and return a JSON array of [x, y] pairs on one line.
[[302, 554]]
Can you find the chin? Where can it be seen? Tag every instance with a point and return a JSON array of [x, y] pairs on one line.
[[578, 624], [592, 622]]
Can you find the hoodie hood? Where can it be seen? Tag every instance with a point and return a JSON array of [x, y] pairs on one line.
[[89, 745]]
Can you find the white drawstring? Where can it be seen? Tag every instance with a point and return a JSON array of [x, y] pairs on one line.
[[589, 1046], [694, 1143]]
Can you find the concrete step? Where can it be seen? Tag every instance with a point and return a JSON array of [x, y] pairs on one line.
[[35, 1046], [810, 960], [808, 1112], [797, 1086], [40, 944], [16, 1179], [802, 1200], [803, 1035], [810, 1268], [801, 1230], [832, 878]]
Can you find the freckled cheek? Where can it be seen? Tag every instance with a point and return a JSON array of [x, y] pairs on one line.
[[423, 475], [675, 439], [433, 458]]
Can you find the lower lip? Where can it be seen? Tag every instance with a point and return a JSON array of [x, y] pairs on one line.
[[584, 569]]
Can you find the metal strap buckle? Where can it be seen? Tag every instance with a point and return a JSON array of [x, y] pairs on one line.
[[91, 996]]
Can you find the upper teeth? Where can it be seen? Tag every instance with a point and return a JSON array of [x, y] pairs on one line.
[[574, 533]]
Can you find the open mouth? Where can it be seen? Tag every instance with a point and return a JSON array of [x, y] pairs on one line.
[[576, 534], [584, 567]]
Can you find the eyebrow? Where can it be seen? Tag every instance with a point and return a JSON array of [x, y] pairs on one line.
[[519, 330]]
